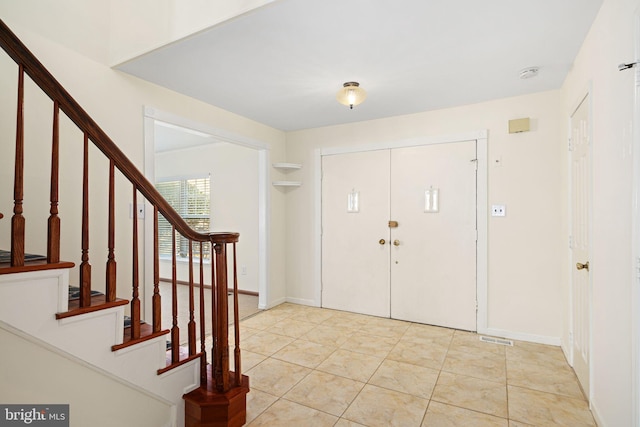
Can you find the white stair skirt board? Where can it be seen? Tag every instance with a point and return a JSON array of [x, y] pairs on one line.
[[89, 337]]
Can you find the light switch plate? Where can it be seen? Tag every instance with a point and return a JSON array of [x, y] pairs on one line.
[[498, 210]]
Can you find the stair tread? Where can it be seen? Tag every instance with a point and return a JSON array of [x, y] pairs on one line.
[[146, 333], [5, 268], [98, 302]]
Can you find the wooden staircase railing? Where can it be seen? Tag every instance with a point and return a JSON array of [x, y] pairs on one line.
[[220, 389]]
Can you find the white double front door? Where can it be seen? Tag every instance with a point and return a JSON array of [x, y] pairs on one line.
[[423, 269]]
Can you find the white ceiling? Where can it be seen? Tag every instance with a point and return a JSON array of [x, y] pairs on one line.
[[283, 63]]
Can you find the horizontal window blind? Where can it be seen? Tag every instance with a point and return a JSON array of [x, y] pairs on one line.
[[191, 198]]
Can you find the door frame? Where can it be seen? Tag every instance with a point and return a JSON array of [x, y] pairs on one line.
[[150, 115], [588, 96], [482, 209], [635, 227]]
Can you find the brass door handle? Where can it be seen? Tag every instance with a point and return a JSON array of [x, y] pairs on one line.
[[584, 266], [396, 242], [382, 241]]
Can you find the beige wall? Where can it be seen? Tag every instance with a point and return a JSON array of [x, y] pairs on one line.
[[526, 251], [68, 22], [34, 374], [528, 258], [234, 199], [609, 42], [143, 25], [114, 31]]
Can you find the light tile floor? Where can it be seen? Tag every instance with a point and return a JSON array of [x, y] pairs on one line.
[[317, 367]]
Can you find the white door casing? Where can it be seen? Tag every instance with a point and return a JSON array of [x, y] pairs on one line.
[[265, 298]]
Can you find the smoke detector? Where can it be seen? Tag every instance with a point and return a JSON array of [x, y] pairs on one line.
[[527, 73]]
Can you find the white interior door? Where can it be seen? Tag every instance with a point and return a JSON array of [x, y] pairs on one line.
[[355, 249], [433, 251], [580, 176]]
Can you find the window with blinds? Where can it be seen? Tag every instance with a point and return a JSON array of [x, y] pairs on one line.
[[191, 198]]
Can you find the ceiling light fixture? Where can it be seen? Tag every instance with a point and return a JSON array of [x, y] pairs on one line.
[[351, 94]]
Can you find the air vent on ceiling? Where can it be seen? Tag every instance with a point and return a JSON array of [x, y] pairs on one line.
[[493, 340]]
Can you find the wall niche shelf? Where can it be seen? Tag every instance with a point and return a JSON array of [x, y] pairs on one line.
[[286, 168], [287, 183]]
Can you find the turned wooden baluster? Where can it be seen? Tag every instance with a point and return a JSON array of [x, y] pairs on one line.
[[53, 228], [215, 357], [156, 301], [221, 372], [191, 327], [203, 349], [236, 322], [110, 283], [135, 300], [175, 330], [85, 267], [17, 221]]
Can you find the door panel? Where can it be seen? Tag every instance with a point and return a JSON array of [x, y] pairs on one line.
[[355, 266], [433, 268], [580, 172]]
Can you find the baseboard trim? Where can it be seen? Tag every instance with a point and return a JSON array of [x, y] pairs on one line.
[[197, 285], [596, 414], [273, 304], [520, 336], [567, 353], [303, 301]]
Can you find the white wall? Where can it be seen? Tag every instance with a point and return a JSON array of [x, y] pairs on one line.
[[34, 374], [234, 199], [116, 102], [526, 252], [609, 43]]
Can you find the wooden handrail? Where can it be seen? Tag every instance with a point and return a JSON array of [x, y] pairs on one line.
[[49, 85]]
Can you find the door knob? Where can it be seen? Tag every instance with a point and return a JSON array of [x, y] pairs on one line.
[[584, 266], [382, 241], [396, 242]]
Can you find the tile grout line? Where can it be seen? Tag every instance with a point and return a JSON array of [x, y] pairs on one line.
[[362, 328]]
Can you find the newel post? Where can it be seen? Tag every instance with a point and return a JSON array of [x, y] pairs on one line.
[[221, 341], [222, 400]]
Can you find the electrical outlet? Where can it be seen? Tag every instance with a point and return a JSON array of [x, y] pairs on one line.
[[243, 270], [139, 211], [498, 210]]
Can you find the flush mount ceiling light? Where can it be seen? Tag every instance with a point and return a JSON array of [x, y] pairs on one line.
[[351, 94], [527, 73]]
